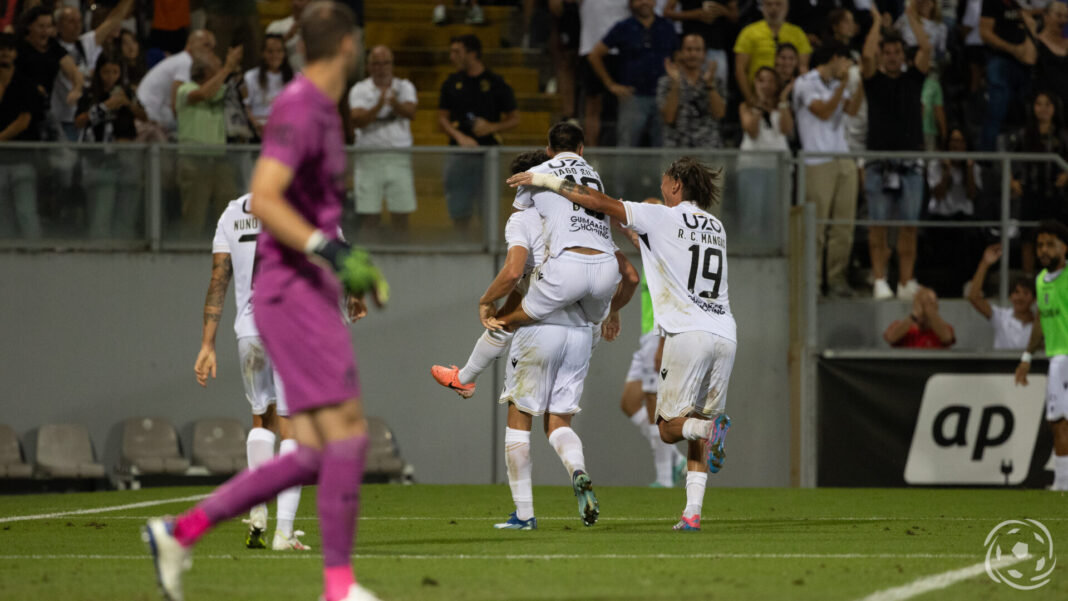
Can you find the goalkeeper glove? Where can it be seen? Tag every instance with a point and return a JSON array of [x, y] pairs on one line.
[[353, 267]]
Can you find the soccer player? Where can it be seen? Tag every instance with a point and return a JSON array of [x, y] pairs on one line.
[[297, 194], [684, 252], [233, 255], [1051, 287]]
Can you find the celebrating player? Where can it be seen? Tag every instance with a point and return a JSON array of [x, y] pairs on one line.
[[1051, 287], [296, 194], [684, 253], [233, 254]]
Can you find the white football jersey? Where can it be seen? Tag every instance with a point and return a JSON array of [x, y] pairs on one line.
[[566, 223], [236, 234], [526, 228], [684, 255]]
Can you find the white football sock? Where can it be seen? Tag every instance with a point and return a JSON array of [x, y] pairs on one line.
[[640, 418], [695, 493], [288, 499], [488, 347], [517, 457], [569, 447], [259, 449], [1060, 472], [664, 458], [696, 429]]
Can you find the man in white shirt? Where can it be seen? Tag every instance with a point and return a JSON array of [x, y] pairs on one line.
[[289, 29], [822, 98], [84, 48], [382, 109], [158, 88], [1012, 326]]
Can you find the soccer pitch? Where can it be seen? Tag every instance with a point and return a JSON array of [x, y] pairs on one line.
[[437, 542]]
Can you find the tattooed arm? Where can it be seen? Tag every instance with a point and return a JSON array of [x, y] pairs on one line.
[[222, 270], [576, 193]]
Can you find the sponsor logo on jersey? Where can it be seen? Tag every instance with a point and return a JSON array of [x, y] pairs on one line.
[[587, 224]]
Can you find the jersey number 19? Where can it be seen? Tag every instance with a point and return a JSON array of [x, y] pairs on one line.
[[706, 270]]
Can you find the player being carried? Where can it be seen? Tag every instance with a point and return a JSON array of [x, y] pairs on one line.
[[297, 191], [1051, 287], [684, 255]]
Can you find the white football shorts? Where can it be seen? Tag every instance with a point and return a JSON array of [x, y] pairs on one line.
[[546, 368], [262, 385], [694, 374], [643, 362], [588, 280], [1057, 389]]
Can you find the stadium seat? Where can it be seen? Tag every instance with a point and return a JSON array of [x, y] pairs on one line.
[[11, 463], [383, 454], [219, 445], [150, 446], [65, 451]]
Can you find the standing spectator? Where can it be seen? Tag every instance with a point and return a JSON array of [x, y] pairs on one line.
[[266, 81], [596, 18], [974, 50], [843, 29], [159, 85], [112, 179], [234, 23], [133, 60], [644, 42], [757, 44], [170, 26], [83, 48], [289, 29], [930, 13], [766, 125], [1041, 186], [812, 17], [18, 181], [894, 188], [787, 66], [1008, 76], [688, 99], [475, 106], [821, 101], [924, 327], [955, 184], [715, 22], [382, 109], [41, 58], [205, 177], [1012, 325], [1051, 68], [563, 46], [934, 111]]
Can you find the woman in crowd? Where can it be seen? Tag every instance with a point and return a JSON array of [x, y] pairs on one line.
[[931, 15], [787, 66], [263, 83], [133, 59], [1051, 68], [767, 125], [1041, 186]]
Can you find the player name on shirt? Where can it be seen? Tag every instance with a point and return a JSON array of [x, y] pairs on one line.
[[704, 225], [250, 223]]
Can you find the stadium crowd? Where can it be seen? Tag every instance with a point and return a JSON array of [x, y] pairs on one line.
[[816, 75]]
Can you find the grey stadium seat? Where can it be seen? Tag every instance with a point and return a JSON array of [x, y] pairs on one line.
[[150, 446], [65, 451], [383, 455], [11, 463], [219, 445]]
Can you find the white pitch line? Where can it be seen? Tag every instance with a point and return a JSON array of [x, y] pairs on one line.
[[936, 581], [420, 518], [60, 514], [524, 557]]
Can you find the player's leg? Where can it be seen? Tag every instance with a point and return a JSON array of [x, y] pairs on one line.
[[669, 463], [1057, 418], [285, 537], [518, 460], [560, 281], [489, 346], [1060, 451], [256, 376], [696, 480]]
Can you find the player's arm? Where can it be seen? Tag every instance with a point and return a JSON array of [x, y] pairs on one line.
[[1032, 347], [501, 286], [627, 285], [576, 193], [222, 271]]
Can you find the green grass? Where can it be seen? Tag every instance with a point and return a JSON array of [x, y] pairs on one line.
[[445, 547]]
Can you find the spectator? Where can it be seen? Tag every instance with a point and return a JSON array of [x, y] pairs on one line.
[[83, 48], [894, 188], [1012, 326], [475, 106], [843, 29], [1051, 67], [644, 42], [757, 44], [924, 328], [1042, 186], [715, 22], [812, 17], [787, 66], [563, 47], [133, 60], [112, 179], [205, 178], [930, 13], [289, 29], [266, 81], [597, 17], [766, 125], [159, 85], [234, 23], [974, 50], [382, 109], [41, 59], [934, 112], [688, 99], [1008, 78], [821, 100], [170, 26], [18, 181], [955, 184]]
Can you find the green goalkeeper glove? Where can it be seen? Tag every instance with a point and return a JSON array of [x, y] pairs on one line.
[[353, 266]]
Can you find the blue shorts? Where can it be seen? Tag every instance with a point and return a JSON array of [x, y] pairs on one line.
[[894, 191]]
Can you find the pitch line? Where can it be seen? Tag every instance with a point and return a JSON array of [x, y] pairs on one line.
[[517, 557], [936, 581], [420, 518], [60, 514]]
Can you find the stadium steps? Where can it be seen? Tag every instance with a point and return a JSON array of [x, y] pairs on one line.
[[420, 12]]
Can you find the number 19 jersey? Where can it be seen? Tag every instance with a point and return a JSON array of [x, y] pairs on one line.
[[566, 223], [684, 257], [236, 234]]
